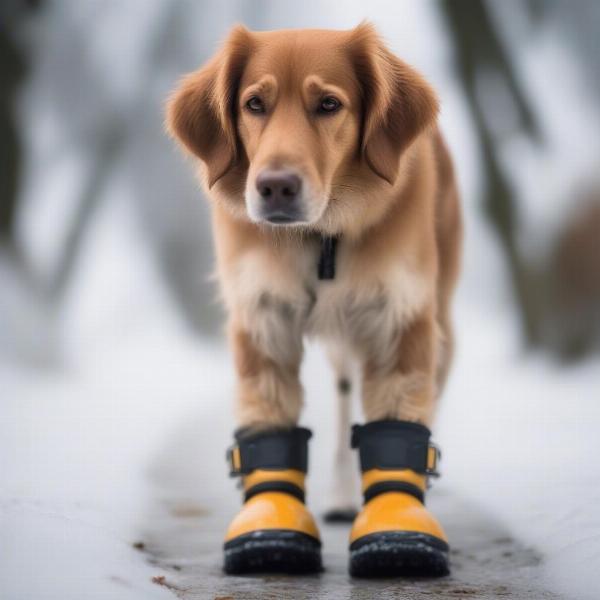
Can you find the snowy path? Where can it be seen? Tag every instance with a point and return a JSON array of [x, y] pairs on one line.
[[486, 562], [129, 447], [183, 538]]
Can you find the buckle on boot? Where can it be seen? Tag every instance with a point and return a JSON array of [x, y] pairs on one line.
[[434, 455], [234, 459]]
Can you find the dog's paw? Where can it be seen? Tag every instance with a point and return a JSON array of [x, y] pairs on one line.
[[340, 515]]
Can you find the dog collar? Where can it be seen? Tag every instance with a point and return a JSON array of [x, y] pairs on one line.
[[326, 267]]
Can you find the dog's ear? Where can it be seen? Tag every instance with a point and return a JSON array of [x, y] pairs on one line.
[[201, 113], [398, 104]]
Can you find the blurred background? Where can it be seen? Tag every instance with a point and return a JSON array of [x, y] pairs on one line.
[[81, 116], [83, 86], [105, 242]]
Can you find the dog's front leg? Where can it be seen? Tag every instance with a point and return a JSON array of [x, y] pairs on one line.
[[399, 380], [267, 352], [273, 531], [394, 533]]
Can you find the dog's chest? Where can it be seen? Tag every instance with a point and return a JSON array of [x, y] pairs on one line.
[[341, 310], [357, 306]]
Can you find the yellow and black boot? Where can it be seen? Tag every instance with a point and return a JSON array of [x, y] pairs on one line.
[[273, 532], [394, 534]]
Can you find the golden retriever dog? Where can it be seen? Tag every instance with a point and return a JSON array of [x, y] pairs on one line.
[[335, 215]]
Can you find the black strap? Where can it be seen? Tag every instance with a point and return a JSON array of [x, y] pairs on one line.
[[274, 486], [326, 268], [271, 450], [395, 445], [394, 486]]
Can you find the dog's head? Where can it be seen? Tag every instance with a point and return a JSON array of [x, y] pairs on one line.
[[287, 122]]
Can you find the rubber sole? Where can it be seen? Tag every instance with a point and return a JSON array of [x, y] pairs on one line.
[[273, 551], [399, 554]]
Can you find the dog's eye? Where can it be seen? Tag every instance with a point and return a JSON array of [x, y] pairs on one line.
[[255, 105], [329, 105]]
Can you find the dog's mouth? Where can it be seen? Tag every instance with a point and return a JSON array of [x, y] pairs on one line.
[[295, 213], [280, 218]]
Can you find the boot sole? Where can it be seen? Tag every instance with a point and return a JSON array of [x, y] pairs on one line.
[[399, 554], [273, 551]]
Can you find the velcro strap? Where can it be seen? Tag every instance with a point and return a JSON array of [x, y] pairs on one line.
[[393, 486], [274, 486], [271, 450], [396, 445]]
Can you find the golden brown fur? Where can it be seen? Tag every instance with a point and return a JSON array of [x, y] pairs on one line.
[[376, 173]]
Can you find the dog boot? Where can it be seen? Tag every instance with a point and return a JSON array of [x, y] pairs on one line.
[[394, 534], [273, 532]]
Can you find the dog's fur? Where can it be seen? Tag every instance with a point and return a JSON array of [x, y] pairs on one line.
[[376, 173]]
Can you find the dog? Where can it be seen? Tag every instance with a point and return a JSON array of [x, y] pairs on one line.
[[335, 215]]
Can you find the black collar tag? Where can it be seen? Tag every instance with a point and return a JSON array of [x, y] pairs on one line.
[[326, 268]]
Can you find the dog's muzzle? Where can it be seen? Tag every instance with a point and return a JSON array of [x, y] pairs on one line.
[[280, 192]]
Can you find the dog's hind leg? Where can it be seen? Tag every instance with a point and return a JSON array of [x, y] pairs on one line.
[[345, 484]]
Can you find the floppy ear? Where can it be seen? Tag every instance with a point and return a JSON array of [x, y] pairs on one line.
[[201, 113], [398, 104]]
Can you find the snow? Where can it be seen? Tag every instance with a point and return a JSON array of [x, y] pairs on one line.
[[519, 435], [74, 442]]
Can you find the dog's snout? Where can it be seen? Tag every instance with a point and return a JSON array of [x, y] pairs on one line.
[[280, 190], [278, 186]]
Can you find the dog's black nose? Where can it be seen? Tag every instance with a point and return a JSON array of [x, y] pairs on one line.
[[278, 186], [279, 190]]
